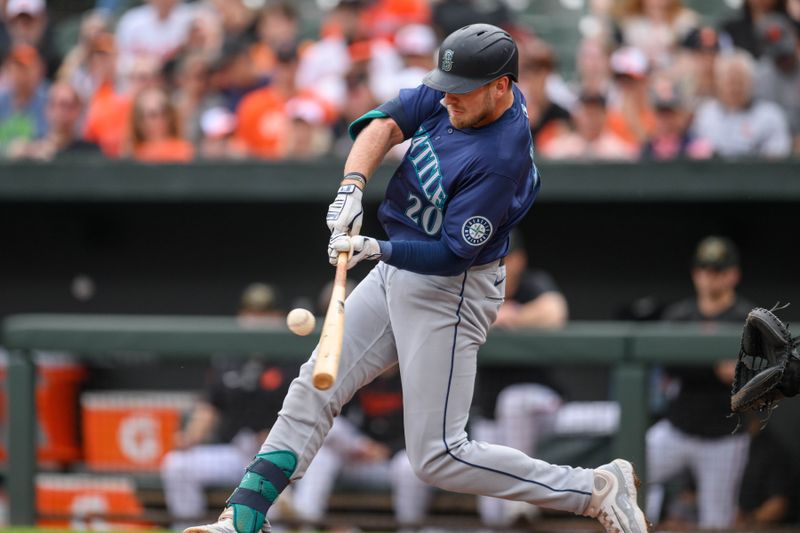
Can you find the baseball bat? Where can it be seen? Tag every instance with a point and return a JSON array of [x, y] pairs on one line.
[[330, 342]]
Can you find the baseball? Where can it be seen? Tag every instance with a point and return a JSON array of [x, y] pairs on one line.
[[300, 321]]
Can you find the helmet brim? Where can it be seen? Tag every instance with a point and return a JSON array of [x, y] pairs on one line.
[[449, 83]]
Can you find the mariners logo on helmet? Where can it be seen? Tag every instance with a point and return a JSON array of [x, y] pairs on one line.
[[447, 60], [476, 230]]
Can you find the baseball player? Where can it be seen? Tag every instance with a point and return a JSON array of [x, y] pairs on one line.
[[467, 179]]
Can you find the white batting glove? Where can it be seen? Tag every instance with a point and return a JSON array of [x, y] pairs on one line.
[[358, 246], [345, 212]]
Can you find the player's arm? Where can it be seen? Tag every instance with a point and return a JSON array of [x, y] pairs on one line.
[[548, 310], [199, 427], [370, 147]]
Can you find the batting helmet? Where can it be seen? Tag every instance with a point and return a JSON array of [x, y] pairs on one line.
[[471, 57]]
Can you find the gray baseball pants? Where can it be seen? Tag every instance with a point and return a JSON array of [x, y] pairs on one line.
[[432, 326]]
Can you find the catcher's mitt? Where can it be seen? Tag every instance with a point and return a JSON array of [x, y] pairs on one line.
[[768, 368]]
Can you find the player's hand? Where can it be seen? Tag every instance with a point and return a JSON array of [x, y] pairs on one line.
[[358, 246], [345, 212]]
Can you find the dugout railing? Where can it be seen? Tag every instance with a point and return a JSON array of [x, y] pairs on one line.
[[626, 348]]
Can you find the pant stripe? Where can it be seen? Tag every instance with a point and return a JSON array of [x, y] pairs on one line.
[[446, 401]]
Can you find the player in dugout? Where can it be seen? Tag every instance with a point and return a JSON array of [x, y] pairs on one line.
[[467, 180]]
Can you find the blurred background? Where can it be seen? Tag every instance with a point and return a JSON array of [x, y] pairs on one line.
[[175, 157]]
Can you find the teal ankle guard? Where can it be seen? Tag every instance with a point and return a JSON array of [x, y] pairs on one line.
[[264, 480]]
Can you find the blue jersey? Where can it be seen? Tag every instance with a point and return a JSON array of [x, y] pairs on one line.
[[465, 187]]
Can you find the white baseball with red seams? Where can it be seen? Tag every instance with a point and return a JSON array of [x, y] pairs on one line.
[[300, 321]]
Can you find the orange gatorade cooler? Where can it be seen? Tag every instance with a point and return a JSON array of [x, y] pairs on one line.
[[87, 502], [58, 381], [129, 430]]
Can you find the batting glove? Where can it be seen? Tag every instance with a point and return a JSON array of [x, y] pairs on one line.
[[345, 213], [358, 246]]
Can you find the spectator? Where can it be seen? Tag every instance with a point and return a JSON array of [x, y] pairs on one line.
[[218, 126], [385, 17], [736, 123], [308, 135], [743, 28], [591, 140], [261, 120], [109, 110], [671, 138], [358, 100], [655, 27], [194, 95], [63, 113], [416, 45], [694, 66], [696, 433], [154, 134], [229, 423], [594, 67], [548, 119], [277, 29], [365, 446], [778, 71], [768, 494], [237, 18], [23, 101], [158, 28], [28, 24], [630, 114], [234, 75], [79, 66], [326, 64]]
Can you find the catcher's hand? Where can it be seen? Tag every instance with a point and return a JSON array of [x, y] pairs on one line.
[[768, 368]]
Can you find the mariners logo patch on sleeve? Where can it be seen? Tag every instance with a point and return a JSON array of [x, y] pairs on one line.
[[476, 230]]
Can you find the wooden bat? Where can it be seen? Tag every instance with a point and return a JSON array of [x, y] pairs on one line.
[[330, 341]]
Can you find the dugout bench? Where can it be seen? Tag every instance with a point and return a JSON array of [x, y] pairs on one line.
[[627, 348]]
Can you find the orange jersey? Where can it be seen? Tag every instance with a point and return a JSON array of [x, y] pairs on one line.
[[165, 151]]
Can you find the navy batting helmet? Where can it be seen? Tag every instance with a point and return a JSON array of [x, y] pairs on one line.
[[473, 56]]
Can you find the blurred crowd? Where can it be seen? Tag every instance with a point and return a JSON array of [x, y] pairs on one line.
[[176, 81]]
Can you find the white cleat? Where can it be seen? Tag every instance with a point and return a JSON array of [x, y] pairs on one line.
[[224, 524], [613, 501]]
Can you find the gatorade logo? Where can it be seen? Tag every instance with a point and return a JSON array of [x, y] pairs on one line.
[[447, 60], [476, 230], [138, 438]]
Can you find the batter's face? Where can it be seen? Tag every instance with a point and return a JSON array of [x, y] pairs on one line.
[[480, 107]]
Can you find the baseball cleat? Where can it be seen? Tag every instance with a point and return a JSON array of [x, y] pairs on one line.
[[224, 524], [613, 501]]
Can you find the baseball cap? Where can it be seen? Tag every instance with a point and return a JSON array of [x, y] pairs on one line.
[[776, 36], [217, 122], [629, 61], [307, 109], [415, 40], [29, 7], [716, 252], [258, 297], [703, 39]]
